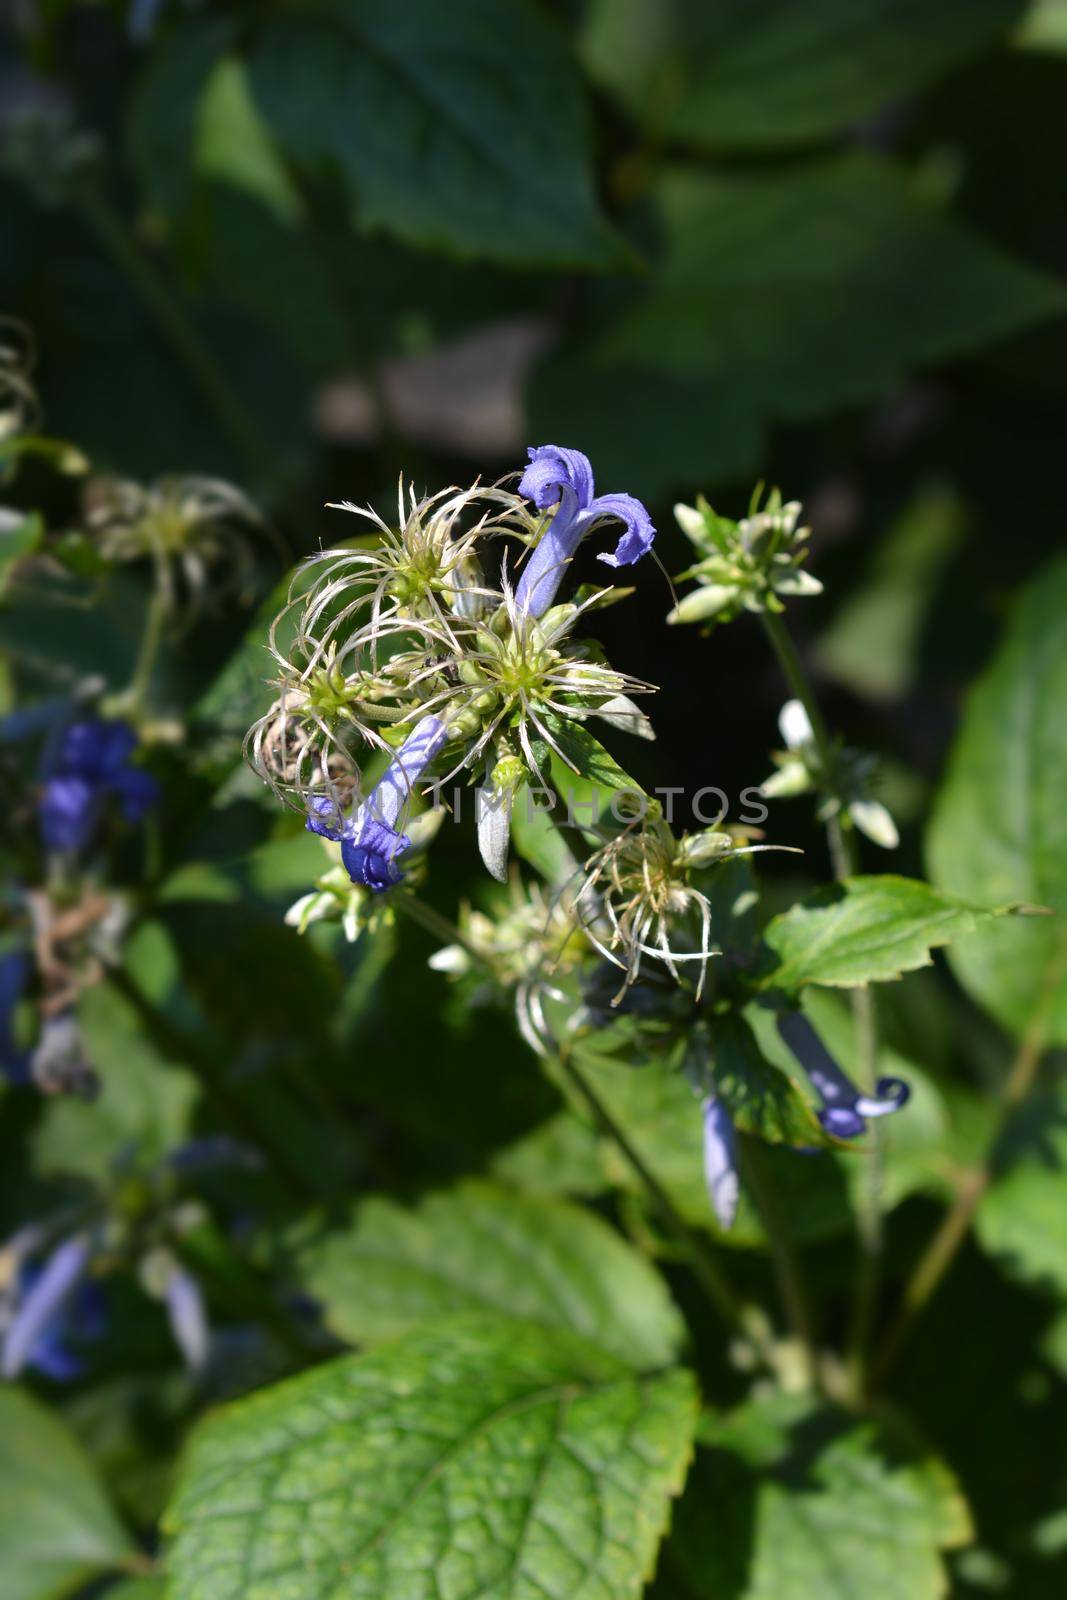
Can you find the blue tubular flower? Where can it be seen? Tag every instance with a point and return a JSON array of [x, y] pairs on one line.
[[370, 839], [14, 975], [720, 1161], [845, 1109], [556, 474], [39, 1329], [92, 763]]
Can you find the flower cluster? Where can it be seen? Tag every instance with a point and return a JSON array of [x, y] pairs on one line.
[[197, 533], [746, 565], [413, 645], [800, 770], [90, 766]]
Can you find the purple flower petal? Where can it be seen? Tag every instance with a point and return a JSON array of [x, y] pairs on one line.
[[68, 811], [640, 532], [720, 1161], [554, 469], [33, 1326]]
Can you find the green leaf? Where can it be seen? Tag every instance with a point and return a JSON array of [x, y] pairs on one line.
[[873, 643], [587, 758], [760, 1097], [232, 144], [57, 1530], [483, 1248], [559, 1157], [20, 535], [166, 106], [866, 930], [752, 74], [480, 1457], [137, 1589], [999, 824], [739, 325], [656, 1108], [145, 1103], [813, 1504], [461, 128], [1020, 1218]]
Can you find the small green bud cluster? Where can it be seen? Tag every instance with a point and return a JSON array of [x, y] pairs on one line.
[[744, 566], [845, 789]]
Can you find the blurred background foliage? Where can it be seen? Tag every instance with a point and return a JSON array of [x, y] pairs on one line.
[[306, 245]]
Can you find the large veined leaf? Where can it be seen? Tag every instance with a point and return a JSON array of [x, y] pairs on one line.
[[999, 825], [57, 1530], [479, 1457], [460, 127], [814, 1505], [1020, 1218], [760, 73], [482, 1248], [776, 297], [865, 930]]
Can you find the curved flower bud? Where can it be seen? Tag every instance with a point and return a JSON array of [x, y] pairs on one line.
[[844, 1108], [565, 476], [188, 1317], [30, 1338], [720, 1160], [370, 839]]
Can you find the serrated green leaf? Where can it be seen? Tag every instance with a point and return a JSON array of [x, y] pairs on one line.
[[999, 824], [729, 303], [484, 1456], [482, 1247], [865, 930], [815, 1505], [753, 74], [461, 129], [739, 323], [57, 1530]]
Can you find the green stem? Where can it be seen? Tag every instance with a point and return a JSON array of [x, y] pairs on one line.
[[788, 1267], [186, 342], [955, 1225], [844, 862], [433, 922], [704, 1266], [132, 697]]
